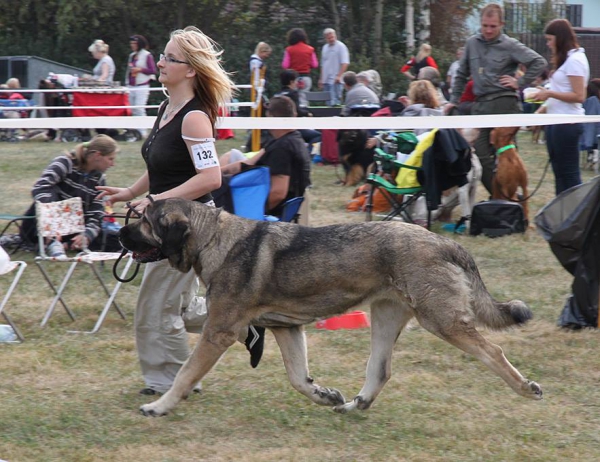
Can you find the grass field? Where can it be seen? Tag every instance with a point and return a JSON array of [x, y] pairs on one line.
[[74, 397]]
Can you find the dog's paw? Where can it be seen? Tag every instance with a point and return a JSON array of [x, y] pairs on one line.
[[149, 410], [329, 396], [532, 390], [356, 403]]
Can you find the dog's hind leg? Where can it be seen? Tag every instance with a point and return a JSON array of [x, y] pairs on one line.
[[388, 318], [461, 333], [207, 352], [292, 344]]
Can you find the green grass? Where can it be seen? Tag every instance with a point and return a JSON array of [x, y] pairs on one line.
[[70, 397]]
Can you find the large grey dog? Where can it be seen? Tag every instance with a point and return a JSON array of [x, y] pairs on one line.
[[282, 276]]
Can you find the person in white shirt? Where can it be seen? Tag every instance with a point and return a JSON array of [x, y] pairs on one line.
[[334, 62], [104, 71], [453, 68], [567, 92]]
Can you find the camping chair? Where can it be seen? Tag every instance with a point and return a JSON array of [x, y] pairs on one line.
[[404, 193], [5, 269], [249, 193], [291, 208], [318, 97], [66, 218], [17, 221]]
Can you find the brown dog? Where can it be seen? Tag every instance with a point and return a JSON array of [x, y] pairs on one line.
[[510, 169]]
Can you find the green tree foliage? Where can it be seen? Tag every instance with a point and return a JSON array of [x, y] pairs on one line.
[[62, 30]]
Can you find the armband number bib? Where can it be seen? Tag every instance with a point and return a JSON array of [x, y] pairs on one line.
[[205, 155]]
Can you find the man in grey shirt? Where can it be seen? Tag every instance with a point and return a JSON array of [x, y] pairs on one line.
[[357, 94], [334, 62], [491, 59]]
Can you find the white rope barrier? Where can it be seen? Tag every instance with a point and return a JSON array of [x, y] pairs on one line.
[[70, 108], [335, 123], [92, 89]]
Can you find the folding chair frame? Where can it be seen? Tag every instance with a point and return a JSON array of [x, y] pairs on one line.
[[291, 208], [73, 224], [17, 221], [59, 292], [20, 267], [400, 207]]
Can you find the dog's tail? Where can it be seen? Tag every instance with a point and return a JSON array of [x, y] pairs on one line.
[[489, 312]]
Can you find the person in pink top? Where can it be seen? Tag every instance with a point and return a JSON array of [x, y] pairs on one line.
[[300, 57]]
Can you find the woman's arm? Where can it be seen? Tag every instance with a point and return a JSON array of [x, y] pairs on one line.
[[112, 194], [314, 62], [104, 74], [285, 63], [45, 188], [196, 126], [431, 62], [576, 95], [150, 68]]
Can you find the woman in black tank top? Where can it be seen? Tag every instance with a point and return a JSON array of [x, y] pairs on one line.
[[186, 121]]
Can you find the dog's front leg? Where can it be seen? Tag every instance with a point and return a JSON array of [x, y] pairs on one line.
[[292, 343], [209, 349]]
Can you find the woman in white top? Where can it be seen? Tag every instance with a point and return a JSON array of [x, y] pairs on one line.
[[566, 94], [104, 71]]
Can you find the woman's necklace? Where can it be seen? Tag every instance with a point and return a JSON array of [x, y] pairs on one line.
[[169, 112]]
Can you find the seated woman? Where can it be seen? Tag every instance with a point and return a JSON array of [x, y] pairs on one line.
[[75, 174], [433, 75], [422, 100]]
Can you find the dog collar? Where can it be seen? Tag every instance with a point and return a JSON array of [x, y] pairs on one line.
[[506, 148]]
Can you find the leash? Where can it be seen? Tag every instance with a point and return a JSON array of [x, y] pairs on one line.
[[523, 199], [130, 210]]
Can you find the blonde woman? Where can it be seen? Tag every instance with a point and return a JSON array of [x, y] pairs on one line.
[[75, 174], [104, 71], [423, 101], [191, 71], [416, 63], [257, 63]]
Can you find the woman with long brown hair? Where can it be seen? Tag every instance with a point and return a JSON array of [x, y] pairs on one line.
[[567, 92]]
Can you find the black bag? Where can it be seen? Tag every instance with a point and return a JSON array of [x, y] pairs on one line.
[[496, 218]]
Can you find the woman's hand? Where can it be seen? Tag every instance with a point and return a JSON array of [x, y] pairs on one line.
[[112, 194], [542, 94], [140, 205]]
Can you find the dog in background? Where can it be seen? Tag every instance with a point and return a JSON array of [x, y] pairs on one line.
[[282, 276], [510, 170]]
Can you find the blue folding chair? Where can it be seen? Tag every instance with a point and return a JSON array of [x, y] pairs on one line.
[[249, 193], [291, 208]]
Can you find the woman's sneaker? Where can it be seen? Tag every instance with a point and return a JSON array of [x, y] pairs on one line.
[[55, 250]]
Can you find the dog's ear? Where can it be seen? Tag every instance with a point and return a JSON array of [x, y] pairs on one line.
[[513, 132], [494, 137], [175, 236]]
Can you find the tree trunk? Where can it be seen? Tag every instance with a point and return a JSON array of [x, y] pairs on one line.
[[424, 21], [336, 15], [410, 27], [378, 33]]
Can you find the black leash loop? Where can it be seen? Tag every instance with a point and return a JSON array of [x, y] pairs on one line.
[[523, 199], [131, 210]]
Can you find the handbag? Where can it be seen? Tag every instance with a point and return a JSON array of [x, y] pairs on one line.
[[496, 218]]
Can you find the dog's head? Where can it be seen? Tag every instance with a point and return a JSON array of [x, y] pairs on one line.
[[163, 231], [503, 136]]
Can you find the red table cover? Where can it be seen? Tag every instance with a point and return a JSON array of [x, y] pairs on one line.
[[101, 99]]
